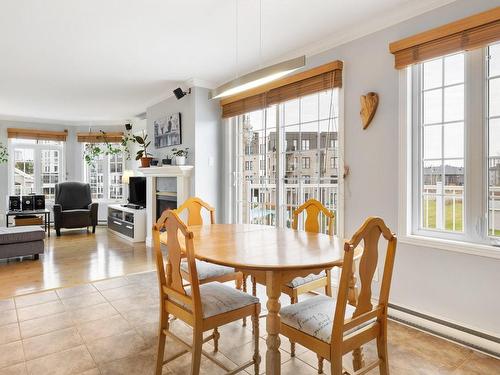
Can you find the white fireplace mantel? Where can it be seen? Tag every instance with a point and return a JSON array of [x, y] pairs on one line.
[[182, 173]]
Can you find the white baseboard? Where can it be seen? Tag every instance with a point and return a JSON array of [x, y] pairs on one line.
[[458, 333]]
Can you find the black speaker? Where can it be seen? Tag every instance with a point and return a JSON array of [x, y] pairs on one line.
[[39, 202], [28, 202], [14, 203]]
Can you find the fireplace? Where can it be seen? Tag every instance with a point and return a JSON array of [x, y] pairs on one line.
[[164, 202]]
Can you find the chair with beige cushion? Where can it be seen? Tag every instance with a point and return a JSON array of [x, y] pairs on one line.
[[300, 285], [330, 326], [207, 272], [203, 307]]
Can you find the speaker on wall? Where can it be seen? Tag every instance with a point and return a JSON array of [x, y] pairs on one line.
[[39, 202], [14, 203], [28, 202]]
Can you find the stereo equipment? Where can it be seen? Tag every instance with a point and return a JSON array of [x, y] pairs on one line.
[[28, 202], [14, 203], [39, 202]]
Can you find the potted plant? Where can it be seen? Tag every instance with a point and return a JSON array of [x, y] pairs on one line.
[[180, 155], [167, 160], [143, 155], [4, 155]]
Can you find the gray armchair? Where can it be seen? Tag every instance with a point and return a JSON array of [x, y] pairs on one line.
[[73, 207]]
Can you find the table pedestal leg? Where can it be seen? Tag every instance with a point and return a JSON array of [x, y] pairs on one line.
[[273, 356]]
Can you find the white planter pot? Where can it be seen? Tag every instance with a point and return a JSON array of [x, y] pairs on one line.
[[180, 160]]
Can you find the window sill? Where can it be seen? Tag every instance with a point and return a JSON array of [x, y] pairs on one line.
[[487, 251]]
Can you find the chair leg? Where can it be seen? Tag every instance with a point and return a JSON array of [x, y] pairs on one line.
[[357, 359], [244, 286], [382, 349], [161, 340], [320, 364], [93, 229], [256, 353], [216, 339], [336, 365], [58, 232], [196, 352], [328, 287], [293, 300], [254, 287]]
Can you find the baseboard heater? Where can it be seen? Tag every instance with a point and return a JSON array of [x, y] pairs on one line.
[[471, 338]]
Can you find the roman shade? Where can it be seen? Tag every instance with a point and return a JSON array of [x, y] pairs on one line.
[[35, 134], [314, 80], [99, 137], [472, 32]]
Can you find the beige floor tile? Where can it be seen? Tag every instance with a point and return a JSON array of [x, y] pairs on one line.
[[88, 314], [7, 304], [116, 347], [72, 361], [146, 278], [35, 299], [105, 327], [244, 353], [479, 364], [45, 324], [111, 283], [11, 354], [182, 366], [49, 343], [9, 333], [76, 291], [140, 364], [37, 311], [296, 367], [126, 291], [8, 317], [19, 369], [132, 303], [85, 300], [94, 371], [142, 315]]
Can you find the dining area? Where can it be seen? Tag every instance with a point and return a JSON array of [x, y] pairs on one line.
[[208, 275]]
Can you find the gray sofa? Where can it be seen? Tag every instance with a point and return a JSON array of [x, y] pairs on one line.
[[74, 207], [21, 241]]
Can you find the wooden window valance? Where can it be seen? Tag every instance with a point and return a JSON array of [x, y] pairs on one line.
[[35, 134], [314, 80], [472, 32], [98, 137]]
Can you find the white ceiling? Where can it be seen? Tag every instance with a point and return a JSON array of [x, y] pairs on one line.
[[106, 60]]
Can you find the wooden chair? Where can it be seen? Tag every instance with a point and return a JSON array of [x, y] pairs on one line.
[[203, 307], [331, 327], [301, 285], [207, 272]]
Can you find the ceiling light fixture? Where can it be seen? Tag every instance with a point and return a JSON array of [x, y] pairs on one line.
[[258, 77]]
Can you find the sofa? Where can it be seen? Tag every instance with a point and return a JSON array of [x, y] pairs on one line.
[[73, 207], [21, 241]]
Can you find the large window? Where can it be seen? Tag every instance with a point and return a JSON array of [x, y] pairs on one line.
[[455, 102], [105, 176], [36, 167], [286, 154]]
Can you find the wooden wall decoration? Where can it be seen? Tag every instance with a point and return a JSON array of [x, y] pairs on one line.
[[369, 104]]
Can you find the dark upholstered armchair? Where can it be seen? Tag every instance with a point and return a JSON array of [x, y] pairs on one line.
[[73, 207]]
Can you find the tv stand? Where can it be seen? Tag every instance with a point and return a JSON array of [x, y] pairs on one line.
[[127, 223]]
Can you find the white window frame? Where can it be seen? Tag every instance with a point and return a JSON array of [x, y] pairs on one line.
[[37, 156], [106, 179], [472, 241]]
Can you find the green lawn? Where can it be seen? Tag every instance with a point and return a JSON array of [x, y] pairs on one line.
[[449, 216]]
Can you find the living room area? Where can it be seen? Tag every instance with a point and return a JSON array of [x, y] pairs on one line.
[[254, 187]]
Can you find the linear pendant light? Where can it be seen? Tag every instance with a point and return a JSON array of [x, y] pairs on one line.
[[258, 77]]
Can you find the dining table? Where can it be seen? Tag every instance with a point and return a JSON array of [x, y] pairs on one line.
[[273, 256]]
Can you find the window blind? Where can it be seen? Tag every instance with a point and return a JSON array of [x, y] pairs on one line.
[[469, 33], [99, 137], [314, 80], [36, 134]]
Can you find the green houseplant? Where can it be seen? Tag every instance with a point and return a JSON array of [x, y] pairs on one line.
[[180, 155], [143, 155]]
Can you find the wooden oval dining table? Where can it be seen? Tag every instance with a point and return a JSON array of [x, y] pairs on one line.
[[275, 256]]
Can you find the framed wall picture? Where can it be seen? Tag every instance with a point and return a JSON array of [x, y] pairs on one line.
[[168, 130]]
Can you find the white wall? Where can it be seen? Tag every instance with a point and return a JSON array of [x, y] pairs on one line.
[[458, 287]]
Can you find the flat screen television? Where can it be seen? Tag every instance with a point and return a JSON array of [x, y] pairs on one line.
[[137, 191]]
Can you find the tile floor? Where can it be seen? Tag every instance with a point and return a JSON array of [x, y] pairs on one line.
[[109, 327]]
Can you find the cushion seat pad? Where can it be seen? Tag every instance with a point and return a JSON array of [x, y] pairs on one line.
[[298, 281], [207, 270]]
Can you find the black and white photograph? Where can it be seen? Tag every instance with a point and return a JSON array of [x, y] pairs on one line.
[[168, 130]]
